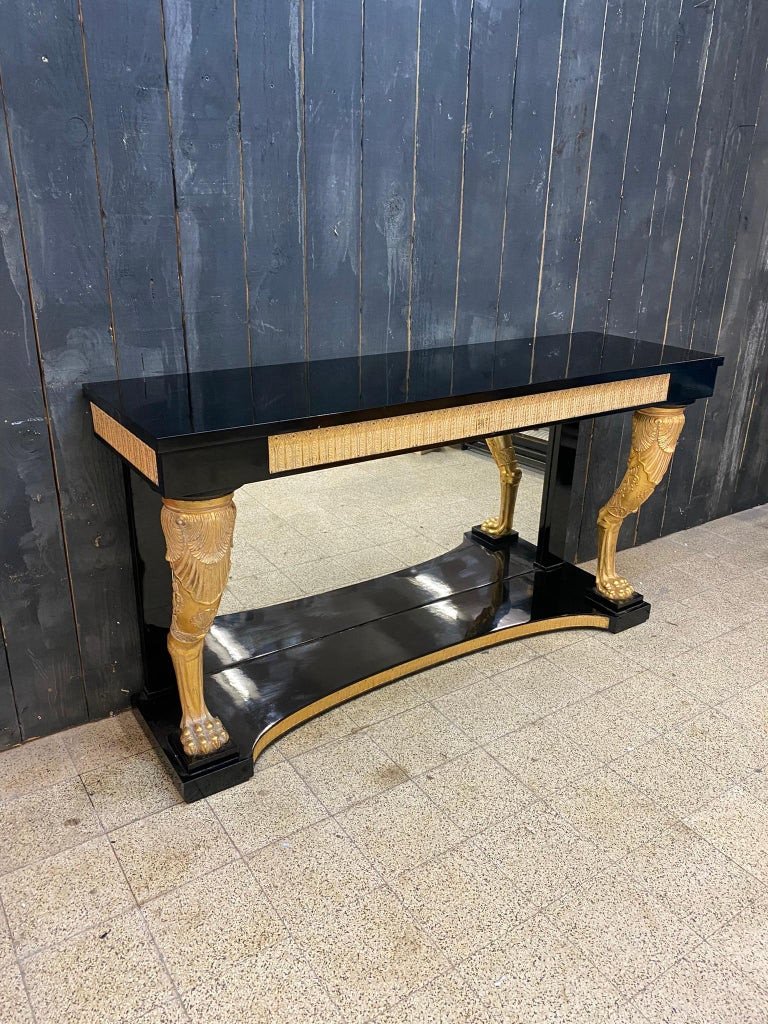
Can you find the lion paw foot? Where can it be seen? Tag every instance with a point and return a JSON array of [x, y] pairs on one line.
[[203, 736], [493, 527], [616, 588]]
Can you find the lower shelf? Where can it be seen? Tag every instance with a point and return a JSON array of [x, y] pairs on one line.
[[269, 670]]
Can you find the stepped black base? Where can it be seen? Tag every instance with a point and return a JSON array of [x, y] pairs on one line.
[[271, 669]]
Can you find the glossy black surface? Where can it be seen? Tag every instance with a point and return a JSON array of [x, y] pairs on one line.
[[273, 663], [174, 411]]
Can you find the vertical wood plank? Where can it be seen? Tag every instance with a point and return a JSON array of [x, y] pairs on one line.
[[269, 48], [126, 79], [538, 61], [486, 168], [41, 57], [445, 37], [35, 602], [572, 146], [202, 78], [390, 60], [332, 61]]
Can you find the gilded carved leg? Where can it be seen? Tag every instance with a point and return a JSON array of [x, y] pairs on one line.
[[503, 452], [655, 432], [198, 535]]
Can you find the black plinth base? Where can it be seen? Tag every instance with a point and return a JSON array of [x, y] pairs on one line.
[[268, 670], [495, 543]]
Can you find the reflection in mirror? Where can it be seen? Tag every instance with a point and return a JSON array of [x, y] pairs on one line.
[[318, 531]]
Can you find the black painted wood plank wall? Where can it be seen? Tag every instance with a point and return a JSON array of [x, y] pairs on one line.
[[188, 184]]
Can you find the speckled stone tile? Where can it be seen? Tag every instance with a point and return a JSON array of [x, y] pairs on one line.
[[699, 990], [542, 686], [383, 703], [45, 822], [536, 976], [100, 743], [400, 828], [542, 855], [503, 657], [274, 803], [729, 748], [332, 725], [749, 708], [7, 952], [313, 872], [34, 765], [451, 676], [542, 758], [592, 661], [655, 700], [130, 789], [420, 739], [742, 943], [714, 671], [170, 1012], [630, 936], [94, 977], [485, 710], [693, 879], [475, 790], [737, 824], [13, 997], [651, 644], [370, 954], [598, 725], [55, 898], [348, 770], [462, 899], [212, 924], [170, 848], [671, 776], [275, 986], [448, 999], [615, 815]]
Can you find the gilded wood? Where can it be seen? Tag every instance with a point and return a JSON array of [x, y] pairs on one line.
[[198, 535], [503, 451], [655, 433], [326, 445], [132, 448], [478, 643]]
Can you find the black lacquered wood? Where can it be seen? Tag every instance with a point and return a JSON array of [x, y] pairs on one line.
[[265, 666]]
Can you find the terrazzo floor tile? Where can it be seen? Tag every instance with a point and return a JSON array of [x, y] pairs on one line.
[[598, 726], [383, 703], [541, 854], [485, 710], [451, 676], [400, 828], [475, 790], [274, 803], [714, 671], [589, 661], [13, 997], [275, 986], [542, 686], [212, 924], [100, 743], [698, 883], [35, 765], [462, 900], [698, 990], [170, 848], [332, 725], [742, 943], [543, 759], [348, 770], [171, 1012], [654, 700], [615, 815], [44, 822], [737, 824], [313, 872], [629, 935], [673, 777], [94, 977], [730, 749], [448, 999], [129, 789], [536, 976], [420, 739], [371, 955], [55, 898], [749, 708]]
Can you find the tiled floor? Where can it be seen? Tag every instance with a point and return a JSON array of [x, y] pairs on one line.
[[569, 829]]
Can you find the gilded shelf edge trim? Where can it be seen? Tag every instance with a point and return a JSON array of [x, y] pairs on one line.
[[326, 445], [132, 448], [419, 664]]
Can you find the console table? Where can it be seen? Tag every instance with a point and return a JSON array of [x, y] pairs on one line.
[[219, 689]]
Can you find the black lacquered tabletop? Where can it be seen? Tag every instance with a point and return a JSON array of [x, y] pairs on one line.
[[285, 396]]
